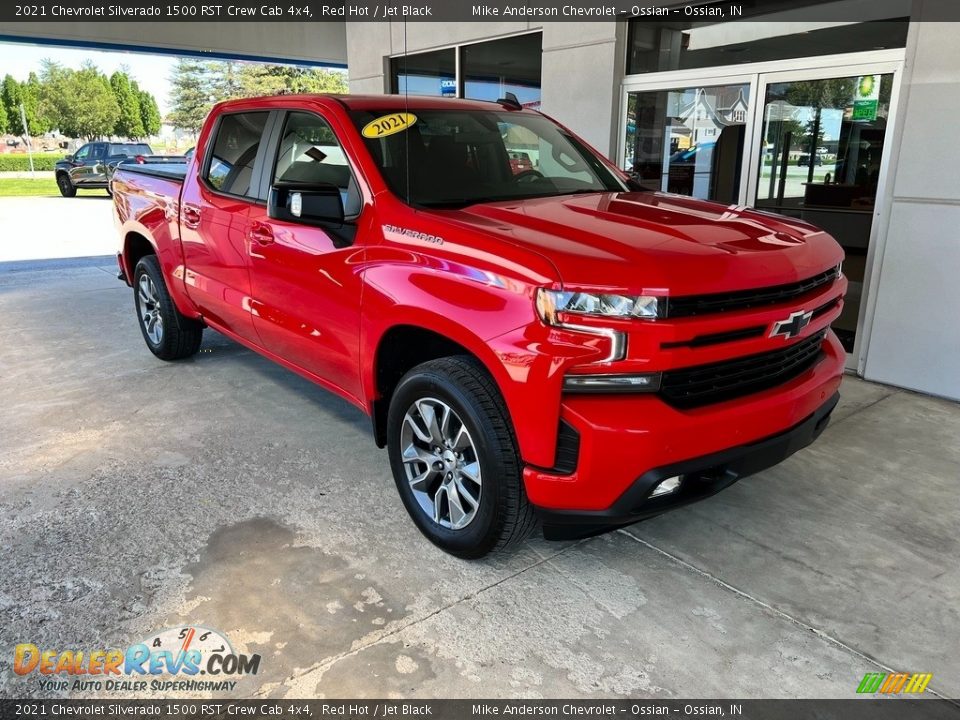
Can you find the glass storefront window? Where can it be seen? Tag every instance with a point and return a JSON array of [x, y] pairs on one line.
[[492, 69], [655, 47], [429, 73], [488, 70], [822, 142], [688, 140]]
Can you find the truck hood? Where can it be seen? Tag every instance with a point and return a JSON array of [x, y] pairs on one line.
[[655, 243]]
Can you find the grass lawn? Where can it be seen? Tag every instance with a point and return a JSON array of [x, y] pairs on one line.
[[34, 187]]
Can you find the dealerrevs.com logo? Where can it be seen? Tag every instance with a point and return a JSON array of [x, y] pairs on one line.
[[185, 652]]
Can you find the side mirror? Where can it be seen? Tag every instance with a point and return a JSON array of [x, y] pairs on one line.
[[312, 204], [68, 158]]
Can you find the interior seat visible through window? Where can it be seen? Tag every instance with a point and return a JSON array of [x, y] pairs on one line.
[[310, 154]]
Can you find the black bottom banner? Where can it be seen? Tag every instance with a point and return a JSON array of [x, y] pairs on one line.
[[282, 709]]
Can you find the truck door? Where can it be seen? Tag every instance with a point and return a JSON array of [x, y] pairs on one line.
[[305, 277], [84, 164], [215, 217]]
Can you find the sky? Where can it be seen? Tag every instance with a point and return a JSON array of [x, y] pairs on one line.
[[152, 72]]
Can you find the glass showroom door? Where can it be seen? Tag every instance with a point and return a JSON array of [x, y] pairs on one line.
[[819, 151], [689, 140]]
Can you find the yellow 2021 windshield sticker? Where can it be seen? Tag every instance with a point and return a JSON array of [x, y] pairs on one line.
[[388, 125]]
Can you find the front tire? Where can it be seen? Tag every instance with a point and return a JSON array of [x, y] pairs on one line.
[[169, 334], [454, 458], [65, 186]]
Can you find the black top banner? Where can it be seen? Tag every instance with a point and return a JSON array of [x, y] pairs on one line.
[[601, 709], [535, 11]]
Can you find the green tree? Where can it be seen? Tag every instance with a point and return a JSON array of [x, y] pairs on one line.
[[10, 99], [31, 91], [191, 95], [3, 118], [130, 121], [80, 102], [262, 79], [149, 111]]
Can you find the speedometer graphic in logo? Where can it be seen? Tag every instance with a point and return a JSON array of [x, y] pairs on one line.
[[191, 637]]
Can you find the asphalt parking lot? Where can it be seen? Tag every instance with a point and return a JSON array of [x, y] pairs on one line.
[[224, 491]]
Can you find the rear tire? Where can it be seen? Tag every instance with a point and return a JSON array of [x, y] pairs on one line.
[[169, 334], [455, 460], [66, 187]]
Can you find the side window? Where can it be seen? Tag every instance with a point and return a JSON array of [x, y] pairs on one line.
[[310, 153], [98, 151], [235, 146], [83, 153]]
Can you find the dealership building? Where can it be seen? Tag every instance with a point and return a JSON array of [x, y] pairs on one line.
[[845, 121]]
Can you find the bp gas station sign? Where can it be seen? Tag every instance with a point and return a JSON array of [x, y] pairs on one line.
[[866, 97]]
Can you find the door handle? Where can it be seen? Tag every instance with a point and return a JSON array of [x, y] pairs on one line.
[[191, 216], [261, 233]]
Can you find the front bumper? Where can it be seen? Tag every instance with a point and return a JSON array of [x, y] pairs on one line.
[[628, 443], [702, 477]]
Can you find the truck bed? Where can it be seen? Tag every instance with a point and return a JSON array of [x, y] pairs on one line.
[[167, 170]]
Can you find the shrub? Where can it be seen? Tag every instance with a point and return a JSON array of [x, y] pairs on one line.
[[21, 163]]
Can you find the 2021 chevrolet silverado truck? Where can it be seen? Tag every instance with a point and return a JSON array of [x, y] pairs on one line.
[[545, 344]]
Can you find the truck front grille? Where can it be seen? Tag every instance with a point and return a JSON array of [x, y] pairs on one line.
[[704, 384], [689, 305]]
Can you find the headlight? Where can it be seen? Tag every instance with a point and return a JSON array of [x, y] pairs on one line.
[[551, 302]]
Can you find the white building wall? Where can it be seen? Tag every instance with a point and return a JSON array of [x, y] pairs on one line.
[[914, 338]]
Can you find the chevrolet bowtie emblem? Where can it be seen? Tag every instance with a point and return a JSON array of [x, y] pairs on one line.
[[792, 326]]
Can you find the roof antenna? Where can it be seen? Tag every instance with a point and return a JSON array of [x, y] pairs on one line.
[[509, 100], [406, 104]]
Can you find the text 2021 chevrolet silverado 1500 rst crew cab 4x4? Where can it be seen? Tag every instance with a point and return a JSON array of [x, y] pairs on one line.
[[543, 343]]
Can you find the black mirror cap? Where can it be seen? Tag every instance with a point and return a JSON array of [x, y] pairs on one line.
[[68, 158], [308, 203]]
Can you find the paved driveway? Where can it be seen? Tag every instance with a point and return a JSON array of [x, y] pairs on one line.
[[137, 495], [34, 228]]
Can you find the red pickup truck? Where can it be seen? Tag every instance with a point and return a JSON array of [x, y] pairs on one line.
[[553, 345]]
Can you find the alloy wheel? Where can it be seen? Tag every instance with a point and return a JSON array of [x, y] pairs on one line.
[[441, 463], [149, 306]]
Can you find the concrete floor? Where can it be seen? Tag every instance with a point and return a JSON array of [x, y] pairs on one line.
[[137, 495], [57, 227]]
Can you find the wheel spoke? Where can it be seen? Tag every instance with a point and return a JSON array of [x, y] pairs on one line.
[[412, 454], [462, 440], [465, 494], [428, 412], [422, 434], [471, 471], [421, 481], [455, 505]]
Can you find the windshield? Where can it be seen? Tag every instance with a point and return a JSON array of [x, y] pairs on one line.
[[455, 158]]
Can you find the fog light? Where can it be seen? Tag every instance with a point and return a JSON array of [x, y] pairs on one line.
[[665, 487]]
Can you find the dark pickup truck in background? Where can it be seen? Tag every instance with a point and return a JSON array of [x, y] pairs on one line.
[[93, 165]]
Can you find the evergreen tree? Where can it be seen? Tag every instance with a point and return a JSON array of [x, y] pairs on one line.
[[191, 94], [37, 122], [10, 99], [130, 121], [149, 111]]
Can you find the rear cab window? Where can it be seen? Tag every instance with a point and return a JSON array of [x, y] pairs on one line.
[[130, 149]]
